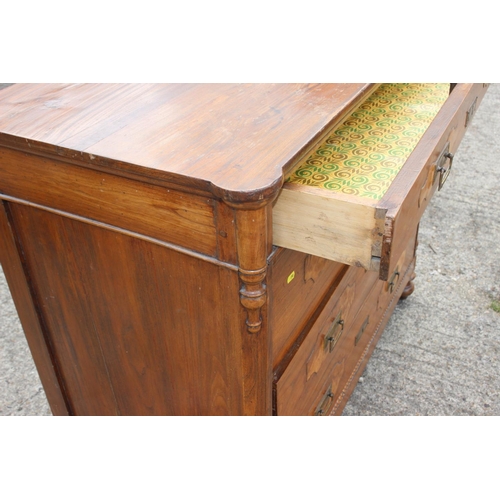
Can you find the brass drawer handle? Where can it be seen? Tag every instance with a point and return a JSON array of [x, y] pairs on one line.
[[334, 333], [441, 169], [325, 404], [392, 282]]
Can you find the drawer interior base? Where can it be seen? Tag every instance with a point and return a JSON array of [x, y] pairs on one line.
[[364, 154]]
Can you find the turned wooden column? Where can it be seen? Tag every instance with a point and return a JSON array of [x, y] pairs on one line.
[[253, 244]]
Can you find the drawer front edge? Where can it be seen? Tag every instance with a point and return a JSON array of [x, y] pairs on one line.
[[412, 190]]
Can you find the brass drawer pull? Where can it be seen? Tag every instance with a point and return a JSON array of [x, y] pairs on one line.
[[325, 404], [334, 333], [441, 168], [393, 281]]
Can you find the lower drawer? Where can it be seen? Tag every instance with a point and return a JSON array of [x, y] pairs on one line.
[[321, 376], [368, 327], [298, 285], [304, 376]]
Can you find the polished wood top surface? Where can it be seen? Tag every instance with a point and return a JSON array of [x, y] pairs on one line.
[[234, 140]]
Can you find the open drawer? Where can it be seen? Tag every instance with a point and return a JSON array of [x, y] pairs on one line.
[[363, 228]]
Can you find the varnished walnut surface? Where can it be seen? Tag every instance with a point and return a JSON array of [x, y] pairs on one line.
[[232, 139]]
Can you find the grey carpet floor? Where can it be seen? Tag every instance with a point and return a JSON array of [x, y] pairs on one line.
[[440, 353]]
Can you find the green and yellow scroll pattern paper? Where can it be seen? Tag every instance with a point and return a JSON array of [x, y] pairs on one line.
[[363, 155]]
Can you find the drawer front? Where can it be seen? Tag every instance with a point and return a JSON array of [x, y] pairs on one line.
[[319, 379], [368, 326], [425, 170], [305, 375], [298, 283], [368, 232]]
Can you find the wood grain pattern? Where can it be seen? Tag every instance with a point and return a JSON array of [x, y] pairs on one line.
[[298, 282], [135, 330], [225, 219], [35, 330], [302, 382], [161, 213], [234, 140], [322, 223]]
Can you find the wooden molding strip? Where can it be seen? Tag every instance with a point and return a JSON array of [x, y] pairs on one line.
[[116, 229]]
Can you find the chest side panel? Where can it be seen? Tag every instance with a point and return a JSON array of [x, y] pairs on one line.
[[135, 328]]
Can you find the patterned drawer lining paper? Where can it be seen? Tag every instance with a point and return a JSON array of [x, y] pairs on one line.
[[364, 154]]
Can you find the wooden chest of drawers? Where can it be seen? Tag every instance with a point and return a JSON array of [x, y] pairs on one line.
[[161, 266]]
